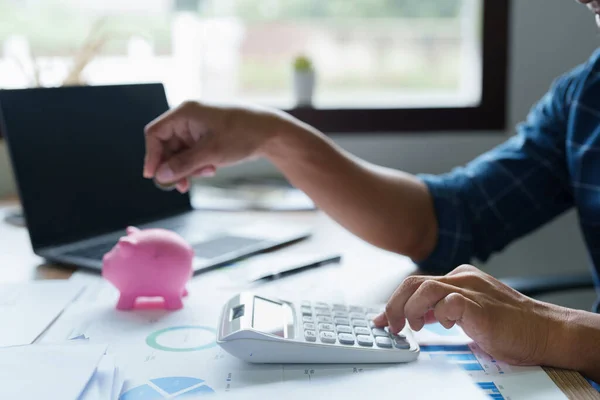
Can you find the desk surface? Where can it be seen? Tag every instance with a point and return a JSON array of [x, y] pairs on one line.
[[18, 264]]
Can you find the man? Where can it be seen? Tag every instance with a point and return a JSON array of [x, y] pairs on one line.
[[551, 165]]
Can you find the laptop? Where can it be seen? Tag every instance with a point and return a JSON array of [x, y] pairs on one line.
[[77, 155]]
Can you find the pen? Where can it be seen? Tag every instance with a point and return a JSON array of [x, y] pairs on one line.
[[295, 270]]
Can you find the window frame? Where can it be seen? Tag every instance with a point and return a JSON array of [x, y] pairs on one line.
[[489, 115]]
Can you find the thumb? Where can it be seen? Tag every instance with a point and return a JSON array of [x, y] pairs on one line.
[[186, 163]]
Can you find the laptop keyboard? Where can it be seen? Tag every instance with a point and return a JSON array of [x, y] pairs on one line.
[[209, 249], [220, 246], [95, 252]]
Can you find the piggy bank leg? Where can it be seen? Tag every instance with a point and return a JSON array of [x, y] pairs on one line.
[[126, 302], [185, 292], [173, 302]]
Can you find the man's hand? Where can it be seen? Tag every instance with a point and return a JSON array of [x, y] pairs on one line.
[[503, 322], [195, 139]]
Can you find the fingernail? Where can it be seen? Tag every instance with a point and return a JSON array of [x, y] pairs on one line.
[[164, 174]]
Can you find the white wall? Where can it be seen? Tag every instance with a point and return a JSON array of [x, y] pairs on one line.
[[548, 37]]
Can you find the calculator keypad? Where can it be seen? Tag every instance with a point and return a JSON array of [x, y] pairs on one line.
[[343, 329], [324, 318], [365, 340], [347, 325], [326, 327], [310, 335], [346, 338], [385, 342], [327, 337]]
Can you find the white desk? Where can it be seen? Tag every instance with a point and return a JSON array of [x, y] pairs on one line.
[[362, 262]]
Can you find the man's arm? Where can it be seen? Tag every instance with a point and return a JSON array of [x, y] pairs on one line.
[[389, 209]]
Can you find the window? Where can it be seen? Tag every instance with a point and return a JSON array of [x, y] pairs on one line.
[[380, 65]]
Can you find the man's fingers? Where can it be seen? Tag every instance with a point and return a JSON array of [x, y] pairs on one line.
[[394, 309], [381, 320], [166, 126], [183, 185], [425, 298], [154, 151], [430, 317], [185, 163], [454, 308], [205, 172]]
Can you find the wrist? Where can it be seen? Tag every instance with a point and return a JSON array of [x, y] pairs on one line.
[[287, 135], [573, 340], [580, 338]]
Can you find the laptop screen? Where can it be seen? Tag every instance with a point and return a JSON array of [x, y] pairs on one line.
[[78, 154]]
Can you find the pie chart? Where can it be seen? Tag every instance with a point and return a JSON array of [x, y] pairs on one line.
[[171, 387]]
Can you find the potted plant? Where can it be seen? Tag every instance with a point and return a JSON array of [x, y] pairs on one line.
[[304, 81]]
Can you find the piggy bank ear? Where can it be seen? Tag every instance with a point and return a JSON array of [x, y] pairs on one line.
[[131, 230], [126, 246]]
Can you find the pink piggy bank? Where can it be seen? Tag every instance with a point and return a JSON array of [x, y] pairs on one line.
[[149, 263]]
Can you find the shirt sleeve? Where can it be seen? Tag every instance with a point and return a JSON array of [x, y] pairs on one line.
[[507, 192]]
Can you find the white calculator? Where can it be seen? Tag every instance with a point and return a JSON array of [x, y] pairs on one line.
[[265, 330]]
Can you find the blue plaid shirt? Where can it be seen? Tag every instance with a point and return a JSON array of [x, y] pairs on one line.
[[551, 165]]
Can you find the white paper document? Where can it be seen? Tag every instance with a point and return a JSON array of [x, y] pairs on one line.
[[27, 309], [103, 385], [38, 371], [167, 354], [414, 381], [498, 379]]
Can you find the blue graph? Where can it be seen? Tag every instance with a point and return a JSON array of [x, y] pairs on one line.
[[491, 390], [445, 347], [171, 387], [454, 357]]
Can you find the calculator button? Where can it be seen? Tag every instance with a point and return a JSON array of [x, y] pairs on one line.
[[307, 318], [343, 329], [374, 310], [324, 318], [364, 340], [310, 335], [309, 326], [357, 309], [342, 321], [372, 324], [359, 322], [327, 337], [321, 304], [326, 327], [379, 332], [400, 335], [340, 314], [357, 315], [361, 330], [340, 307], [322, 311], [306, 311], [305, 303], [383, 342], [346, 338], [371, 316], [401, 343]]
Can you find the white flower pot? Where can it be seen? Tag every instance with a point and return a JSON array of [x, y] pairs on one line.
[[304, 87]]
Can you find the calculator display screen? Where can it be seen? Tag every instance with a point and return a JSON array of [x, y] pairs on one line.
[[268, 317]]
